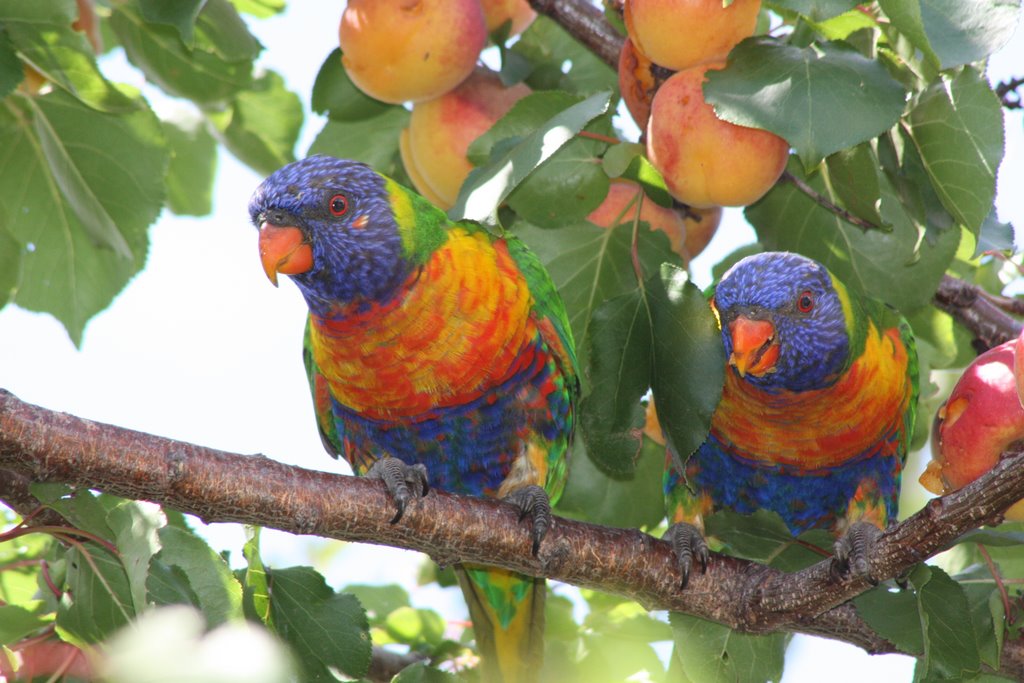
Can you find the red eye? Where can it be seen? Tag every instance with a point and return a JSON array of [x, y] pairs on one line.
[[806, 302], [339, 205]]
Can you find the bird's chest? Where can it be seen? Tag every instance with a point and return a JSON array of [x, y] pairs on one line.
[[861, 415], [453, 334]]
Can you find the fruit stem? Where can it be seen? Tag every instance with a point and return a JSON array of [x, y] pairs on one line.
[[597, 136]]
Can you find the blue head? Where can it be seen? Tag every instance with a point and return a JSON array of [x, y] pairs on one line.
[[783, 322], [329, 224]]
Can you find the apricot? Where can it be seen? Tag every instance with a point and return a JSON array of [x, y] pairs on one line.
[[418, 181], [441, 130], [678, 34], [410, 50], [707, 161], [701, 225], [636, 82], [981, 418], [497, 12], [617, 209]]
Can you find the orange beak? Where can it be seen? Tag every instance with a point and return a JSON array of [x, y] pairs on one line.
[[284, 250], [754, 349]]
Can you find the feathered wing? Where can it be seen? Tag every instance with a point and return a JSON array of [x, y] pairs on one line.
[[329, 428]]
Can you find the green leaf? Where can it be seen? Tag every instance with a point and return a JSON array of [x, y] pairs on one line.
[[373, 141], [964, 31], [181, 15], [548, 48], [905, 15], [893, 266], [10, 266], [412, 626], [11, 71], [192, 168], [815, 10], [324, 628], [663, 337], [379, 601], [488, 186], [210, 578], [619, 370], [765, 538], [894, 616], [64, 272], [957, 127], [854, 177], [261, 9], [262, 124], [217, 66], [42, 33], [632, 501], [994, 235], [335, 96], [688, 359], [18, 621], [950, 645], [563, 189], [591, 265], [803, 95], [255, 585], [627, 161], [135, 528], [98, 599], [713, 653]]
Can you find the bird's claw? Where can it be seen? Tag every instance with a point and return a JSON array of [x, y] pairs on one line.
[[403, 481], [688, 544], [852, 552], [533, 502]]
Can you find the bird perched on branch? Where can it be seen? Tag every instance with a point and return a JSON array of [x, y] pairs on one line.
[[816, 413], [438, 354]]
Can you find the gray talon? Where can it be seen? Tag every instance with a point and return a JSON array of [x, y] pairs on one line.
[[533, 502], [404, 482], [688, 544], [853, 552]]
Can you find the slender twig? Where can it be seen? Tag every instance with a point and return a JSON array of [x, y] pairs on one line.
[[825, 203], [994, 571], [1007, 93], [586, 23]]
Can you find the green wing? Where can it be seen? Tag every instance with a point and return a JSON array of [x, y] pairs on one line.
[[322, 408]]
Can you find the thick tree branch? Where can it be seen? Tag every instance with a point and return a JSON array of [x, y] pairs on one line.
[[1007, 93], [224, 487], [973, 307]]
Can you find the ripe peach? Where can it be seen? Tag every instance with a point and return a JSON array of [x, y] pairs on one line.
[[613, 211], [441, 130], [418, 181], [1018, 366], [707, 161], [701, 225], [678, 34], [636, 82], [400, 50], [497, 12], [979, 420]]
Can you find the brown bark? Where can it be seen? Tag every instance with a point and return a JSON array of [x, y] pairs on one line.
[[224, 487]]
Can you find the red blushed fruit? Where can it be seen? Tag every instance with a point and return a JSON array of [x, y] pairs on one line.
[[981, 418], [1018, 366], [636, 82]]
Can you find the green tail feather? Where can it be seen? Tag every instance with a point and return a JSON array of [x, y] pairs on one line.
[[507, 610]]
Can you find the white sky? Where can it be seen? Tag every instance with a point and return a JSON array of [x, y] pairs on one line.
[[200, 347]]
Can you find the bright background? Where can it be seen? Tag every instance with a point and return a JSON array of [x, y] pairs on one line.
[[199, 347]]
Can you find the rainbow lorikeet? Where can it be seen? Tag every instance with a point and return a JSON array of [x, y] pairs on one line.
[[437, 354], [816, 414]]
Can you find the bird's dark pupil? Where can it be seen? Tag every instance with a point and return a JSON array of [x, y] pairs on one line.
[[337, 205], [805, 303]]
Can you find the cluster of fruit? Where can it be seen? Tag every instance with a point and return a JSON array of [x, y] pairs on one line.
[[425, 52], [705, 161]]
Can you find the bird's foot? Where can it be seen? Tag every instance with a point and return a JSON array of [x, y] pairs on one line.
[[403, 481], [688, 544], [533, 502], [853, 552]]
